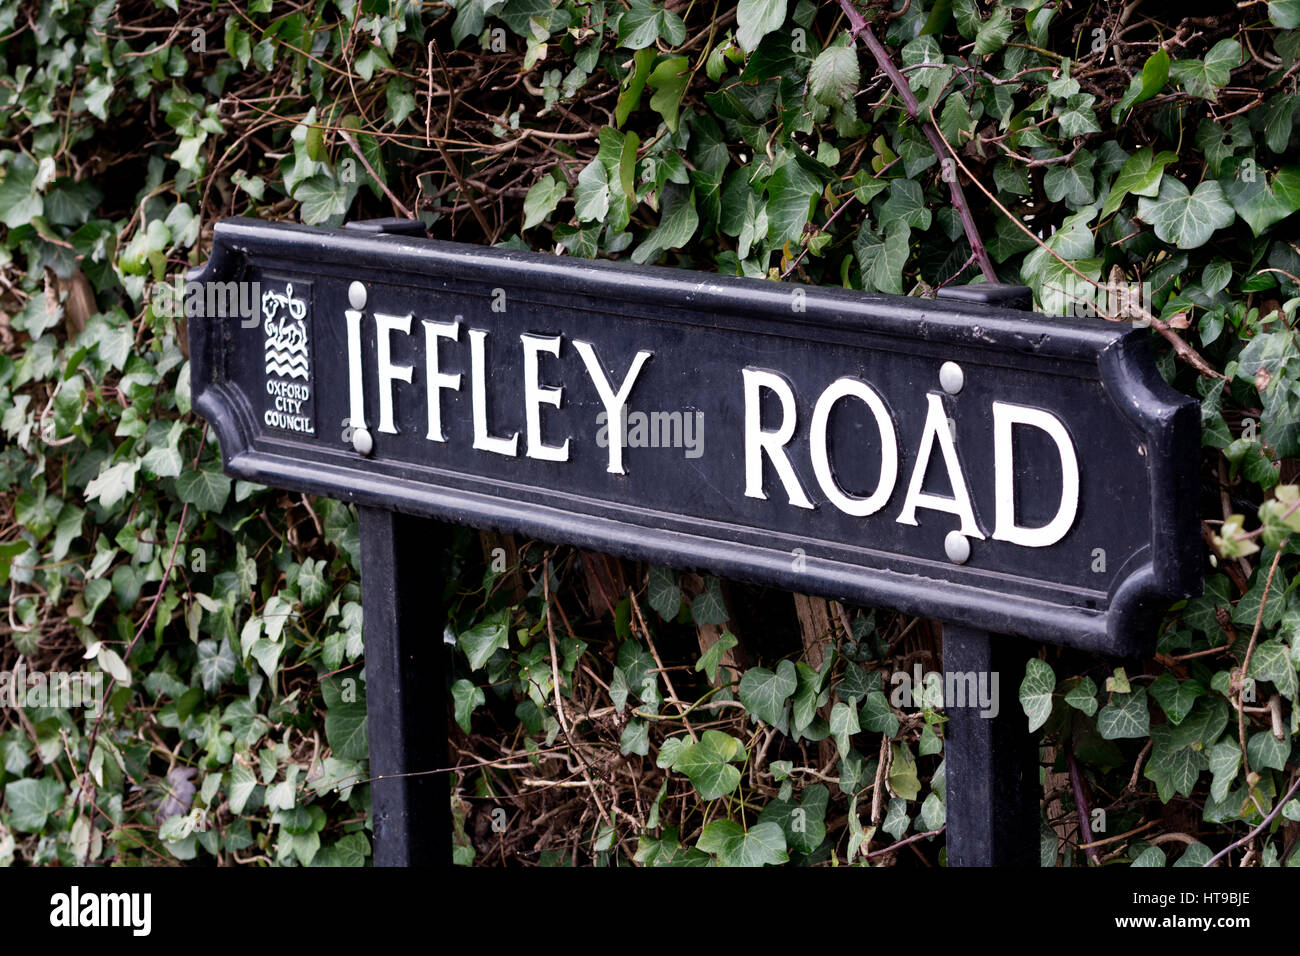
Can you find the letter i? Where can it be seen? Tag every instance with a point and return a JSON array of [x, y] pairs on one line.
[[356, 394]]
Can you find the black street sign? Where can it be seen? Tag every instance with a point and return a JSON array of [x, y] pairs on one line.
[[996, 470], [1025, 475]]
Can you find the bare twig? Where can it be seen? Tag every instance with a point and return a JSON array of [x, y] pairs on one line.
[[858, 27]]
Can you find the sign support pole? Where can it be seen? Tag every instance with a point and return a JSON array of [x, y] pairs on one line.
[[991, 761], [406, 673]]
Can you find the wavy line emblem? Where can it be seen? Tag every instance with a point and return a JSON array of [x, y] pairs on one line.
[[284, 324]]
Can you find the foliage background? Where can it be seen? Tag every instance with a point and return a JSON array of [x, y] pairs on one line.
[[702, 720]]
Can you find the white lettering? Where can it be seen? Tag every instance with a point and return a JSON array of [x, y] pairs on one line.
[[385, 325], [758, 441], [614, 402], [936, 427], [536, 394], [356, 394], [438, 380], [858, 507], [1005, 528], [478, 390]]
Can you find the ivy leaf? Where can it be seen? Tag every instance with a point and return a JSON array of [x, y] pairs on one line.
[[1036, 692], [1247, 609], [924, 67], [1083, 696], [1125, 716], [465, 698], [267, 654], [764, 693], [711, 659], [1279, 120], [762, 845], [877, 716], [313, 589], [903, 781], [164, 460], [635, 738], [810, 695], [708, 764], [882, 260], [1151, 856], [896, 819], [1196, 855], [591, 195], [933, 812], [709, 607], [931, 742], [240, 784], [630, 99], [1204, 78], [542, 199], [1077, 117], [1272, 662], [216, 663], [834, 75], [1284, 14], [755, 19], [618, 689], [1215, 278], [644, 23], [1225, 761], [20, 201], [967, 15], [1258, 202], [856, 683], [791, 192], [1265, 750], [1187, 220], [1143, 86], [115, 482], [31, 802], [844, 724], [206, 488], [322, 197], [669, 80], [676, 226], [486, 638], [906, 203], [1071, 182], [664, 593], [804, 824], [345, 720], [1173, 768], [1175, 697]]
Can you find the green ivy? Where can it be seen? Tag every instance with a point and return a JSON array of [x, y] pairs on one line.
[[760, 140]]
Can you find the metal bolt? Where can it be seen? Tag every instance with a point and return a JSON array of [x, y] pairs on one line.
[[362, 443], [951, 377], [357, 296], [958, 547]]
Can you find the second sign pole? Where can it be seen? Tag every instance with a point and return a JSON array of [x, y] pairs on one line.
[[406, 707], [990, 758]]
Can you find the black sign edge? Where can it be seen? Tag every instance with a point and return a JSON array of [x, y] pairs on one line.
[[938, 320]]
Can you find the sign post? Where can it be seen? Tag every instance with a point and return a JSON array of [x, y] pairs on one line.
[[1011, 475]]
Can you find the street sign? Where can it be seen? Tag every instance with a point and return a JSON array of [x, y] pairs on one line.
[[947, 458]]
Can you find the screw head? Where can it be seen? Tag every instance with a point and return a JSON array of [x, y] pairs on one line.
[[951, 377], [958, 547], [357, 295], [362, 443]]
